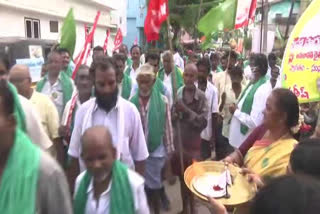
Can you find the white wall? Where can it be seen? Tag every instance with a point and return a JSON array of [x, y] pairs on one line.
[[12, 20]]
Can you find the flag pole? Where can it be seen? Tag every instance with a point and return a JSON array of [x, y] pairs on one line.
[[175, 101]]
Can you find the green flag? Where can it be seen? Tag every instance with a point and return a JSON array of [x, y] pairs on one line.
[[68, 33], [219, 18]]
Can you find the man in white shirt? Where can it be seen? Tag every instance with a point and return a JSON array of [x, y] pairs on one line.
[[178, 61], [56, 84], [125, 84], [166, 73], [208, 135], [107, 186], [132, 71], [248, 113], [110, 110]]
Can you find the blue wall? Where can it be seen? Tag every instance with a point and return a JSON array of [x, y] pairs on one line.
[[136, 13]]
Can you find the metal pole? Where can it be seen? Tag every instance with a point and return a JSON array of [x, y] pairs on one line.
[[175, 100], [261, 26], [289, 18]]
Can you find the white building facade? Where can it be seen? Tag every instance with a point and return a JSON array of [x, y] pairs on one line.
[[43, 19]]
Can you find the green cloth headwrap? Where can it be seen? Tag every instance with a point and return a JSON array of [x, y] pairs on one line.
[[65, 83], [121, 198], [179, 79], [156, 118], [247, 104], [126, 86], [18, 111], [19, 181]]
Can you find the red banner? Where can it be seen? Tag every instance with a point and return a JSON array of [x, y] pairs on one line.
[[87, 45], [158, 12], [105, 45], [118, 40]]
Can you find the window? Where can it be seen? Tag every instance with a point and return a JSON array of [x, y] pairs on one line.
[[54, 26], [32, 28]]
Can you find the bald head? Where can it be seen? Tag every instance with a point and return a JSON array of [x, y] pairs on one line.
[[19, 70], [97, 136], [19, 75], [190, 75], [97, 152]]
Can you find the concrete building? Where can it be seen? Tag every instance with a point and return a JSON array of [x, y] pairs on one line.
[[43, 19], [136, 13]]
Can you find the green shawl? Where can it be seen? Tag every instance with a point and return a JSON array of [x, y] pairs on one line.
[[65, 83], [159, 86], [69, 70], [126, 86], [18, 110], [19, 182], [156, 118], [179, 78], [129, 62], [219, 69], [247, 104], [121, 199]]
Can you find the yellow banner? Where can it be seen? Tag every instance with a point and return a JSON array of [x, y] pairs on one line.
[[301, 62]]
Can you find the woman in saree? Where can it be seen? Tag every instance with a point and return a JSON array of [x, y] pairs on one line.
[[269, 156]]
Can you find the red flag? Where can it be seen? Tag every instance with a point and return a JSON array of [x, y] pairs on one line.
[[245, 12], [105, 45], [158, 12], [87, 45], [118, 40]]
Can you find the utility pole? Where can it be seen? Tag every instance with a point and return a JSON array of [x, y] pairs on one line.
[[265, 26]]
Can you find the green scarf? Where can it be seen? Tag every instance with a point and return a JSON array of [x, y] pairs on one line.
[[159, 86], [69, 70], [18, 110], [126, 86], [129, 62], [219, 69], [179, 78], [65, 83], [247, 104], [156, 118], [19, 182], [121, 199]]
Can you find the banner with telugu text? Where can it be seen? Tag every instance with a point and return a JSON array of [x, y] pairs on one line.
[[301, 61]]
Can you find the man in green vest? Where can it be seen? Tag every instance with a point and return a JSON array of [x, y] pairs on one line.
[[30, 180], [107, 186]]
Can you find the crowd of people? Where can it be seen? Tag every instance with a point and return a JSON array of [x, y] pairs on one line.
[[110, 137]]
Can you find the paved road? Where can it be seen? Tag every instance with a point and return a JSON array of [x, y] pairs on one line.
[[176, 204]]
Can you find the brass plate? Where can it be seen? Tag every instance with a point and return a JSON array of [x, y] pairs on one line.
[[241, 191]]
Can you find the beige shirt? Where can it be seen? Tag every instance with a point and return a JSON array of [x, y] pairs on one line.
[[48, 114], [33, 125]]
